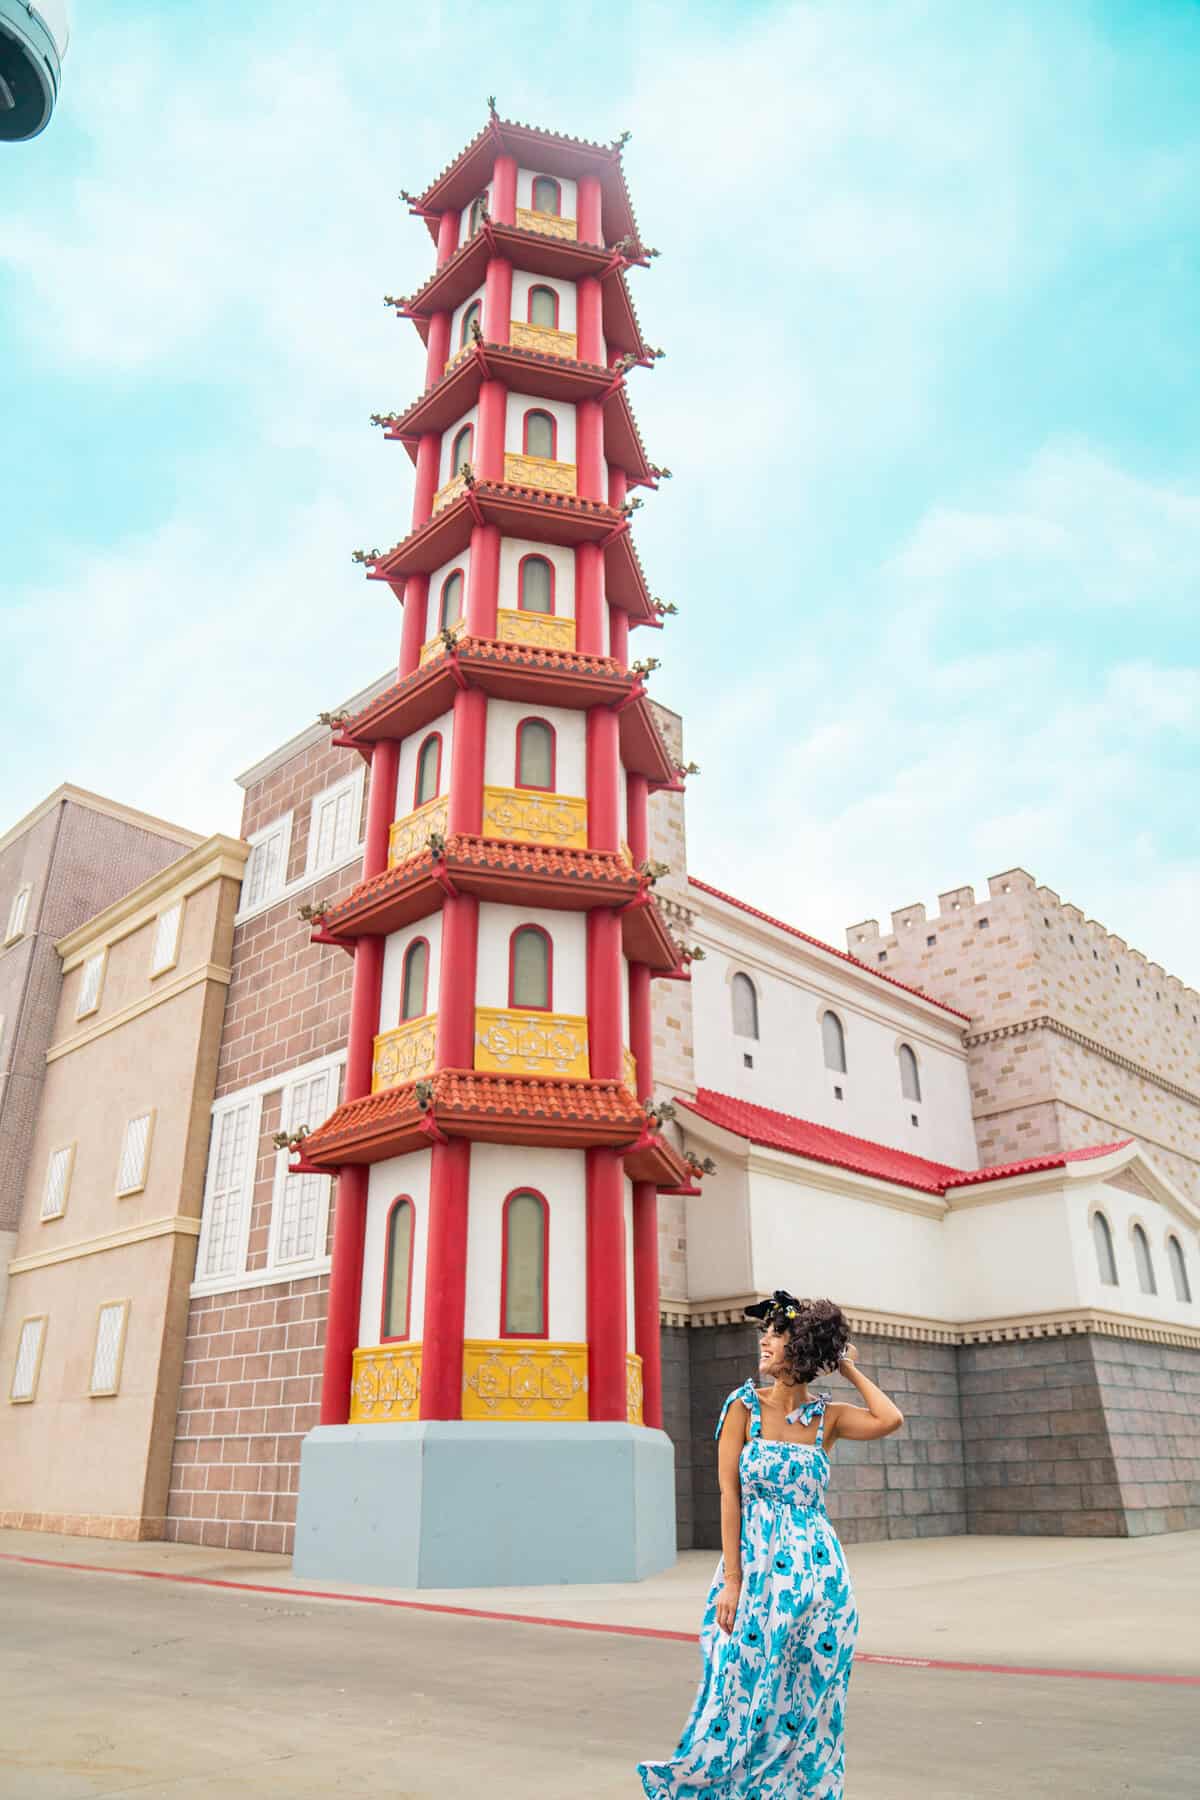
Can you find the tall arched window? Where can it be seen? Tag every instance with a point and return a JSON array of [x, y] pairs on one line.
[[833, 1042], [523, 1283], [429, 769], [1179, 1274], [910, 1075], [1106, 1262], [745, 1007], [472, 316], [414, 984], [478, 208], [1143, 1261], [461, 450], [543, 306], [547, 195], [397, 1271], [535, 585], [530, 969], [541, 435], [451, 604], [535, 755]]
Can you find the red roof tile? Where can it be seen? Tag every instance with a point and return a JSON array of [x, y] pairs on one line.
[[820, 1143], [819, 944]]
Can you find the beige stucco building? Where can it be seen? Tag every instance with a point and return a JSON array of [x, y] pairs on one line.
[[92, 1338]]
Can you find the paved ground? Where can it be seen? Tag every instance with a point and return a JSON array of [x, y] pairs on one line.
[[115, 1686]]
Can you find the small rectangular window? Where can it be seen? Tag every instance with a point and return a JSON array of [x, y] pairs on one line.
[[16, 914], [914, 1118], [930, 942], [230, 1164], [333, 830], [265, 873], [109, 1351], [58, 1182], [883, 956], [135, 1154], [166, 939], [983, 924], [90, 983], [837, 1094], [747, 1060], [301, 1208], [28, 1364]]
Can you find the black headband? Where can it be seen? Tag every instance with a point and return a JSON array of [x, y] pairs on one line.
[[781, 1303]]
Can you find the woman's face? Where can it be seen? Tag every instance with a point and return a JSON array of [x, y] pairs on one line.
[[771, 1360]]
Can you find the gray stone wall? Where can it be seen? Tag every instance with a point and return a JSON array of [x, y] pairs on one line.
[[677, 1423], [1150, 1395]]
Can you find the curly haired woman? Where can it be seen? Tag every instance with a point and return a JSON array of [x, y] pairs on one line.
[[779, 1628]]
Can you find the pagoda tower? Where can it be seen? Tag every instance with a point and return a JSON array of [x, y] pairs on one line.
[[491, 1407]]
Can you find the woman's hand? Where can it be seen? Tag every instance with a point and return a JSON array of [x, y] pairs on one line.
[[727, 1604], [849, 1355]]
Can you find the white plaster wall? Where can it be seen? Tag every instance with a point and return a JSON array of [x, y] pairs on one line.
[[630, 1331], [464, 223], [393, 967], [406, 785], [511, 552], [500, 756], [456, 318], [520, 404], [789, 1071], [496, 1169], [1122, 1210], [570, 205], [461, 561], [565, 290], [8, 1243], [1013, 1256], [445, 470], [718, 1235], [568, 933], [388, 1181]]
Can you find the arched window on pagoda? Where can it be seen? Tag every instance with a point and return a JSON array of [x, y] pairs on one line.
[[547, 195], [1106, 1262], [461, 450], [414, 981], [535, 585], [475, 218], [833, 1042], [910, 1075], [472, 316], [530, 969], [1143, 1261], [543, 307], [397, 1271], [1179, 1274], [541, 435], [525, 1234], [451, 603], [745, 1007], [429, 770], [535, 755]]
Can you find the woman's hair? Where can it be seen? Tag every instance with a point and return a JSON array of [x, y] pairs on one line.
[[816, 1333]]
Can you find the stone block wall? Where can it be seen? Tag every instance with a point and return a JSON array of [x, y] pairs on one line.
[[1150, 1395], [677, 1423]]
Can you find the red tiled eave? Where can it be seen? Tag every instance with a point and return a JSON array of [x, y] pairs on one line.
[[829, 949], [550, 153]]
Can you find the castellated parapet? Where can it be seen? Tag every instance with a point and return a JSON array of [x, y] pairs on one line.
[[1074, 1036]]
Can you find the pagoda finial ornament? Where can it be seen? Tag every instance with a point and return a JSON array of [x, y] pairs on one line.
[[494, 1294]]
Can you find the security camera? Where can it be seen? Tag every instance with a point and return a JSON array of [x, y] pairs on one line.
[[33, 42]]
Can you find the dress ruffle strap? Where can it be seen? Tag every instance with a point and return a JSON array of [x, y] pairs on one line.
[[812, 1409], [748, 1395]]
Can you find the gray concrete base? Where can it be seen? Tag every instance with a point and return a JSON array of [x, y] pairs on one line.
[[446, 1504]]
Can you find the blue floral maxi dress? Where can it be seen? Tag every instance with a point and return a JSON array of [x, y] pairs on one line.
[[767, 1723]]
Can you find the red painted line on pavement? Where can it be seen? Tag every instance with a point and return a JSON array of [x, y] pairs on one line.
[[639, 1631]]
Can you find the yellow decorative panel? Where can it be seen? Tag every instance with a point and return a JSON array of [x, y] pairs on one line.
[[509, 1378], [435, 646], [549, 224], [405, 1054], [539, 472], [527, 816], [386, 1385], [546, 338], [464, 350], [450, 490], [634, 1414], [509, 1042], [407, 836], [548, 631], [629, 1069]]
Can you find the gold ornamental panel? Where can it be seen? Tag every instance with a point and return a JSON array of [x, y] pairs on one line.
[[508, 1378], [526, 816], [387, 1384], [634, 1396], [509, 1042], [408, 835], [405, 1054], [547, 631], [435, 646], [539, 472], [629, 1069], [449, 490], [549, 224], [546, 338], [463, 350]]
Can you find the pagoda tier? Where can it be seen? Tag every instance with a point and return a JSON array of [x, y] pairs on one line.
[[528, 147]]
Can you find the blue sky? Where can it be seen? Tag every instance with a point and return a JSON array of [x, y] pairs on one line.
[[928, 290]]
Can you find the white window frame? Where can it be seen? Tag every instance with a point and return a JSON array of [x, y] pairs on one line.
[[100, 1393], [170, 960], [19, 904], [124, 1190], [246, 907], [85, 1007], [67, 1150], [280, 1189], [351, 784], [235, 1276], [27, 1398]]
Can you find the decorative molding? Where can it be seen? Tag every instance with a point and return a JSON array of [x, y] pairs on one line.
[[314, 734], [158, 994], [539, 472], [528, 816], [404, 1054], [449, 491], [216, 856], [408, 836], [547, 631], [386, 1384], [509, 1041], [1047, 1022], [109, 809], [506, 1378], [436, 645], [171, 1225], [549, 224], [634, 1391], [255, 1279], [544, 338]]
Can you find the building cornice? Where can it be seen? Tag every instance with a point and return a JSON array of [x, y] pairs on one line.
[[111, 809], [208, 861], [171, 1225], [160, 992], [1047, 1022], [312, 735]]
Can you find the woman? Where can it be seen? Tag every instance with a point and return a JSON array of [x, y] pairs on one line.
[[780, 1624]]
